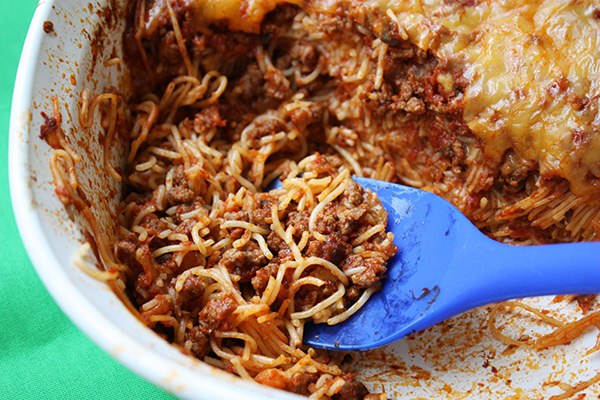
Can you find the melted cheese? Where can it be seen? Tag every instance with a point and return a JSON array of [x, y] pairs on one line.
[[239, 15], [534, 72], [533, 68]]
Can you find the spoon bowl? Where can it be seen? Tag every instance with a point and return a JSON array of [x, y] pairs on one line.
[[445, 266]]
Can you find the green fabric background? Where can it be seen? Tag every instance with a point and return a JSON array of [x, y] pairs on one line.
[[42, 354]]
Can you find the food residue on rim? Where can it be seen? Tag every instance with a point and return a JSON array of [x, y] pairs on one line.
[[460, 353], [48, 27]]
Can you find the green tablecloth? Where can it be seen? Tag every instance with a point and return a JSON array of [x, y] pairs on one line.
[[42, 354]]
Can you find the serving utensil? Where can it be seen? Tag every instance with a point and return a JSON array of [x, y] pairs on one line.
[[445, 266]]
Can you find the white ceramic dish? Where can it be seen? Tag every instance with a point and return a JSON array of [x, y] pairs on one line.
[[456, 359]]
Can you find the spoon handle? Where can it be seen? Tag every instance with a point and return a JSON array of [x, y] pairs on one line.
[[497, 272]]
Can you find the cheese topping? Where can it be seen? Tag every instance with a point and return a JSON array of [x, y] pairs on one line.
[[239, 15], [534, 72]]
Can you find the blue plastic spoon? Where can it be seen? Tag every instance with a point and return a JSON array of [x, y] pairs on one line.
[[445, 266]]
